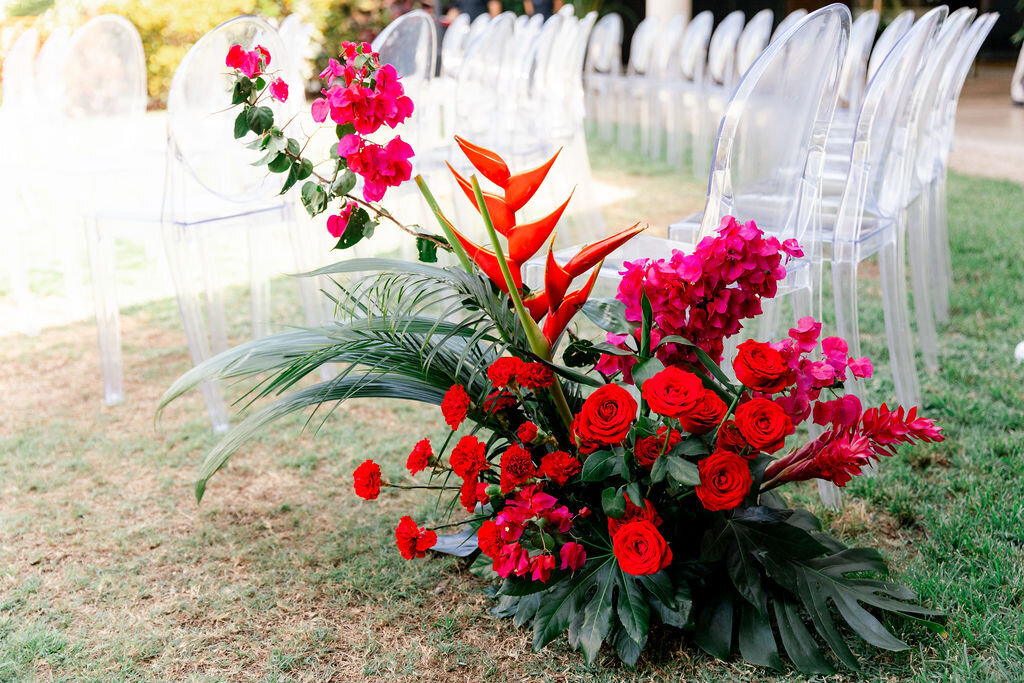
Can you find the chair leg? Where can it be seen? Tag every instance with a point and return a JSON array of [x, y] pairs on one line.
[[897, 325], [943, 263], [108, 322], [920, 275], [259, 281]]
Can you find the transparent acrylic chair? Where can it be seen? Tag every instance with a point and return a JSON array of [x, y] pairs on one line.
[[603, 65], [297, 38], [16, 116], [653, 100], [50, 72], [641, 48], [788, 22], [753, 40], [770, 148], [719, 80], [864, 219], [686, 91], [855, 70], [1017, 80], [453, 47], [941, 263], [928, 102], [891, 34]]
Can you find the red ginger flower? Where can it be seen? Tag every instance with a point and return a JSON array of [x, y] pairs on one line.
[[367, 480], [454, 406], [413, 541]]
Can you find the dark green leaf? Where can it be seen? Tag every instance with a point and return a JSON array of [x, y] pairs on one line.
[[560, 605], [634, 612], [580, 354], [633, 491], [612, 350], [744, 570], [293, 147], [628, 649], [344, 129], [660, 586], [280, 164], [516, 586], [757, 644], [305, 170], [817, 606], [343, 184], [647, 324], [678, 616], [660, 469], [527, 607], [798, 641], [260, 119], [692, 446], [290, 180], [646, 369], [609, 315], [260, 83], [714, 628], [599, 466], [240, 93], [866, 626], [241, 124], [426, 250], [598, 614], [313, 198], [613, 502], [681, 471]]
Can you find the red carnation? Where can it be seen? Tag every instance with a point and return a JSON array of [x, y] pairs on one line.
[[763, 424], [420, 457], [605, 417], [559, 467], [724, 480], [527, 432], [367, 480], [499, 400], [516, 468], [503, 371], [488, 539], [535, 376], [467, 494], [760, 367], [413, 541], [673, 392], [649, 448], [455, 406], [706, 416], [641, 549], [469, 457]]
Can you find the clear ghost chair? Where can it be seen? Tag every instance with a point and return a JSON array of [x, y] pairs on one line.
[[625, 87], [603, 65], [788, 22], [719, 80], [927, 102], [753, 40], [941, 264], [686, 91], [770, 149], [1017, 80], [864, 218], [855, 70], [409, 43], [19, 108], [891, 34], [477, 27], [453, 47], [211, 187], [297, 37], [567, 10], [50, 72], [662, 70]]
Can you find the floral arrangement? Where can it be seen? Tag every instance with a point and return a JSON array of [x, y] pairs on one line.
[[611, 486]]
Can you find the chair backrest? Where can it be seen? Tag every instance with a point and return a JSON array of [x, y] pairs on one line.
[[753, 40], [896, 29], [105, 71], [200, 124], [642, 45], [567, 10], [542, 55], [855, 69], [928, 99], [297, 37], [604, 49], [19, 74], [50, 85], [666, 47], [879, 165], [788, 22], [722, 49], [478, 26], [693, 50], [771, 143], [482, 80], [521, 21], [453, 45], [409, 43]]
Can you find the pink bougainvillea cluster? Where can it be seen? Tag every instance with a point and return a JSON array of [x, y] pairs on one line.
[[361, 96], [253, 63]]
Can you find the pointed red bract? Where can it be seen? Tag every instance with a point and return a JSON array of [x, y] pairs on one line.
[[526, 240], [490, 165], [502, 217], [487, 261], [598, 251], [522, 186], [559, 317]]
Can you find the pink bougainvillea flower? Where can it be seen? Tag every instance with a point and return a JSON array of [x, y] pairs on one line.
[[279, 90], [336, 224]]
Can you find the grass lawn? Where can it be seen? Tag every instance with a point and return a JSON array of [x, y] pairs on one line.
[[109, 570]]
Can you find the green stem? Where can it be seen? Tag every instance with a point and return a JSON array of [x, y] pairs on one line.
[[538, 344], [455, 244]]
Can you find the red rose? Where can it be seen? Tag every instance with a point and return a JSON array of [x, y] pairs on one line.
[[605, 417], [706, 416], [467, 494], [516, 468], [641, 549], [488, 539], [367, 480], [535, 376], [724, 480], [634, 513], [649, 448], [559, 467], [420, 457], [760, 367], [455, 406], [673, 392], [469, 457], [413, 541], [730, 439], [764, 424], [527, 432], [503, 371]]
